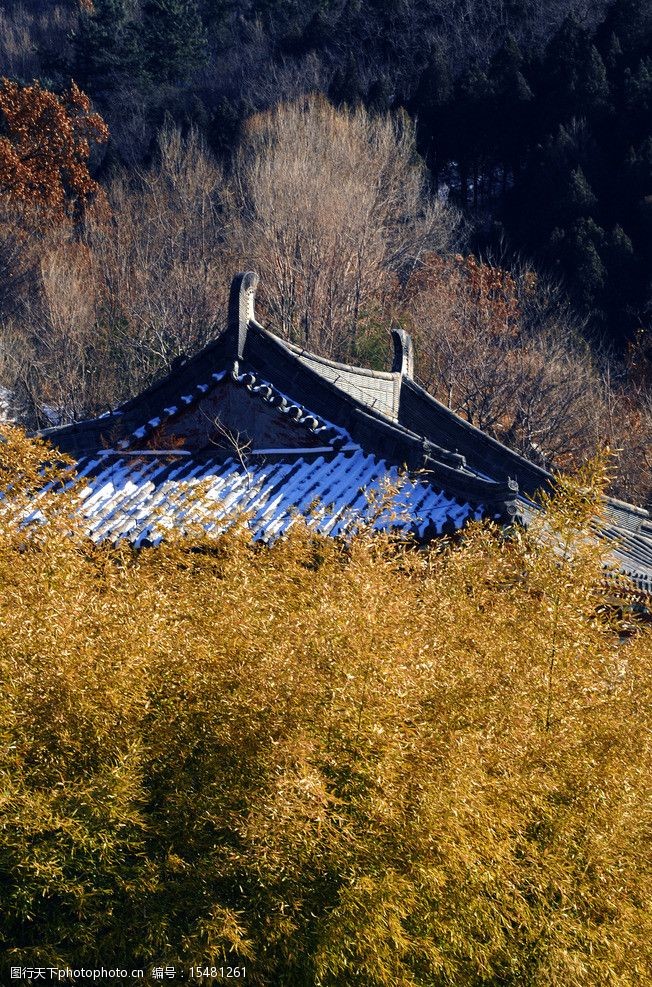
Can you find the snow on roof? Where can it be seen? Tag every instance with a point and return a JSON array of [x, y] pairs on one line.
[[140, 497]]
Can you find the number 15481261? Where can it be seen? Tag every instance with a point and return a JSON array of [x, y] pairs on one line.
[[218, 972]]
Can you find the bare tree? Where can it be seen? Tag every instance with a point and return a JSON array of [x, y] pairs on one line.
[[498, 350], [330, 205], [159, 257], [63, 366], [27, 30]]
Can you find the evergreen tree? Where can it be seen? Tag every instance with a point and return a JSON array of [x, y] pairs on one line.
[[347, 86], [379, 97], [593, 87], [224, 127], [553, 189], [106, 47], [636, 183], [578, 198], [620, 260], [511, 101], [575, 75], [174, 39], [432, 106], [214, 12], [317, 32], [613, 53], [638, 100], [472, 132], [435, 88], [631, 22], [578, 252]]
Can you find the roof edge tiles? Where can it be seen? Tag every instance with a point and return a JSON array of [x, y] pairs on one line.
[[313, 359], [422, 413]]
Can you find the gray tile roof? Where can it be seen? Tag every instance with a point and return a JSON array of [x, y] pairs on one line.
[[341, 433], [378, 390]]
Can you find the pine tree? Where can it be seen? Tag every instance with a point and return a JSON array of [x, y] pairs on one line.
[[638, 100], [593, 87], [511, 102], [576, 74], [317, 32], [434, 91], [631, 22], [613, 52], [379, 97], [579, 253], [578, 198], [106, 46], [214, 12], [174, 39], [432, 106], [636, 182], [620, 261], [472, 128], [347, 86]]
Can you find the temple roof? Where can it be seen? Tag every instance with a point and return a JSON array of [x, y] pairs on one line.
[[253, 423]]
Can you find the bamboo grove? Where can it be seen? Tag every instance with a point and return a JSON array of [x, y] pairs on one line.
[[333, 761]]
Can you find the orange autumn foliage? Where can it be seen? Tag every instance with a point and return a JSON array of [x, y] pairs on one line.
[[46, 146], [485, 293]]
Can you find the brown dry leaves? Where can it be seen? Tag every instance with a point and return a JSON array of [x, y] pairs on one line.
[[46, 146]]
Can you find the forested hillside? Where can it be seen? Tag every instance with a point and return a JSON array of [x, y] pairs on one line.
[[478, 172]]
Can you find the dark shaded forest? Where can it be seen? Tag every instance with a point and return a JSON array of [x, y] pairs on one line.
[[536, 115], [524, 136]]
